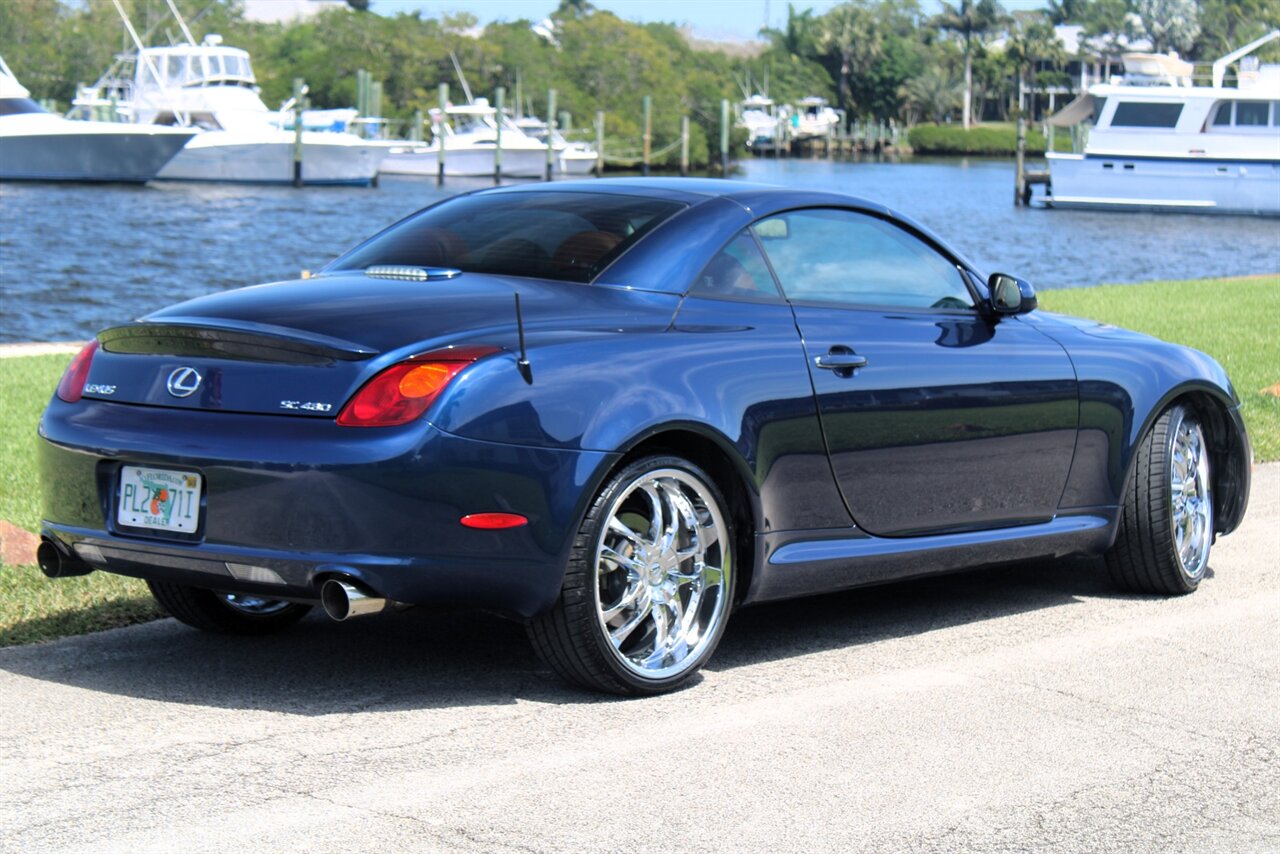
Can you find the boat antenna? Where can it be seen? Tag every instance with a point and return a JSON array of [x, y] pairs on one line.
[[522, 363], [137, 42], [462, 78], [181, 23]]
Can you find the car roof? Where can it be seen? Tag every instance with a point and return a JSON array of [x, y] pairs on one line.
[[756, 197], [759, 200]]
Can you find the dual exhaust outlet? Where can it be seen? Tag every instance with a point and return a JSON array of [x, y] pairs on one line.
[[54, 563], [340, 598]]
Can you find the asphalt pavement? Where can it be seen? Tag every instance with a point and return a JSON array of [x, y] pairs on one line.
[[1024, 707]]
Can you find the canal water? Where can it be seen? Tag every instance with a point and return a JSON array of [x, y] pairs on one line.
[[74, 259]]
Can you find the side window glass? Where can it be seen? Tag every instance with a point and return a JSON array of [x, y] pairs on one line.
[[738, 270], [1252, 113], [845, 257]]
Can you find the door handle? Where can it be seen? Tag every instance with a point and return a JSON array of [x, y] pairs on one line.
[[847, 362]]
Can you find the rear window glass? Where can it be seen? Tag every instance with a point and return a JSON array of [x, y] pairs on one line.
[[571, 237], [1136, 115]]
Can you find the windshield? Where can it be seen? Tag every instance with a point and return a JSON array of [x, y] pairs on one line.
[[571, 237]]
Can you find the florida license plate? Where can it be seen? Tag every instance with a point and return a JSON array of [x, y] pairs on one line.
[[159, 499]]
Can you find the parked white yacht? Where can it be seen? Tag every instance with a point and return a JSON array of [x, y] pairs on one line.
[[1160, 142], [36, 145], [469, 133], [757, 114], [571, 158], [813, 118], [211, 88]]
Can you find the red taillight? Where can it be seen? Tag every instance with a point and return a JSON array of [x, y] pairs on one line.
[[403, 392], [71, 386], [493, 521]]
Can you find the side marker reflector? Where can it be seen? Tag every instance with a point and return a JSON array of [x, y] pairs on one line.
[[493, 521]]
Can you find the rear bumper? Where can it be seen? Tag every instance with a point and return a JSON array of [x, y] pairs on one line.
[[291, 501]]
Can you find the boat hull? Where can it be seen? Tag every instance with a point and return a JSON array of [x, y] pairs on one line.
[[468, 163], [576, 162], [1195, 185], [87, 157], [323, 162]]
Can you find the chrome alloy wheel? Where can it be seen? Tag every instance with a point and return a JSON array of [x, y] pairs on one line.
[[662, 573], [1191, 505], [254, 606]]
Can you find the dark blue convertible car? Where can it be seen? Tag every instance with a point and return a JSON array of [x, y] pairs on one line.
[[619, 410]]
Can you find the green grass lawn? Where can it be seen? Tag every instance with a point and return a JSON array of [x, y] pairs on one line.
[[1234, 320], [1237, 321], [33, 608]]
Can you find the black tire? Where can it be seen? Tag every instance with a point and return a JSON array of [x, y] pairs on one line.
[[1146, 557], [212, 612], [573, 638]]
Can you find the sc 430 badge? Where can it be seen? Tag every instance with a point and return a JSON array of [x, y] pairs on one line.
[[308, 406]]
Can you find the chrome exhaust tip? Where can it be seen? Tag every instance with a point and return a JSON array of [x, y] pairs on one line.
[[54, 564], [343, 600]]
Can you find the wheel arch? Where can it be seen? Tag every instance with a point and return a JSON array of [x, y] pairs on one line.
[[1230, 454], [717, 456]]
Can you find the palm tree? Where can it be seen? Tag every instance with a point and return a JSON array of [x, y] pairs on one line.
[[796, 39], [934, 94], [1032, 39], [851, 38], [972, 20]]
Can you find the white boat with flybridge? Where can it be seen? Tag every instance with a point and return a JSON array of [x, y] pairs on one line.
[[210, 88], [36, 145], [813, 118], [759, 116], [1162, 143], [469, 133]]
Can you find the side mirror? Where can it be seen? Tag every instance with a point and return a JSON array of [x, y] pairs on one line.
[[1011, 295]]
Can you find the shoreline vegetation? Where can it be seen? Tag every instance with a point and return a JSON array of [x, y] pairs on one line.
[[1000, 140], [1230, 319], [877, 61]]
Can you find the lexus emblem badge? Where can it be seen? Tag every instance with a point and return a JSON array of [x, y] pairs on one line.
[[183, 382]]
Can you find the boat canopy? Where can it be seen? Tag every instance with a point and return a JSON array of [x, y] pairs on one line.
[[1157, 69], [1074, 113], [189, 65]]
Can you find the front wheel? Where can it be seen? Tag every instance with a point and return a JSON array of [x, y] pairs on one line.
[[1166, 523], [226, 613], [647, 590]]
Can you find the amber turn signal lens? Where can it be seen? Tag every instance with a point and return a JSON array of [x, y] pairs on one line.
[[427, 380], [402, 392]]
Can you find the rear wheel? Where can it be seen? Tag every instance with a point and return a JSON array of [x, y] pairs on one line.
[[226, 613], [647, 590], [1166, 523]]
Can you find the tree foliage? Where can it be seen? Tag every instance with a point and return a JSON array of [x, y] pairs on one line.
[[874, 59]]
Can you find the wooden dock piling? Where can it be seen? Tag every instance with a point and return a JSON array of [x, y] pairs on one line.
[[298, 89], [648, 134], [724, 137], [442, 94], [498, 98], [599, 143], [551, 129], [684, 146]]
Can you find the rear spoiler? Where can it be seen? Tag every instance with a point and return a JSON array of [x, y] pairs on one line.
[[242, 340]]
